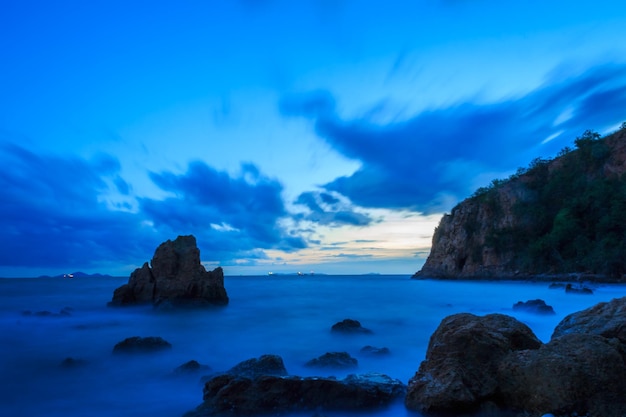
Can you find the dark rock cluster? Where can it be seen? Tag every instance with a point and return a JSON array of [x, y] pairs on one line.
[[475, 363], [176, 278], [257, 393]]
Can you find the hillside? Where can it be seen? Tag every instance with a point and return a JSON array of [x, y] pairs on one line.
[[558, 217]]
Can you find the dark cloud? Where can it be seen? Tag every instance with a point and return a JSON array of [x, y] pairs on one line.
[[442, 155], [326, 209], [228, 215], [57, 213], [51, 215]]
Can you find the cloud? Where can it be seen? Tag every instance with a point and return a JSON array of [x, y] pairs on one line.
[[229, 215], [56, 213], [52, 215], [329, 210], [441, 155]]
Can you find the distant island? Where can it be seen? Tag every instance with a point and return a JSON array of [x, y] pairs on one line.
[[78, 274], [561, 218]]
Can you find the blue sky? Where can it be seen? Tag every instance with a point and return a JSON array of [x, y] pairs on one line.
[[325, 135]]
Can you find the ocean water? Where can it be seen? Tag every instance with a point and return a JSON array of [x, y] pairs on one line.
[[285, 315]]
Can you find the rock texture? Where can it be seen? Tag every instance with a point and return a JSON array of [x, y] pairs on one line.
[[231, 395], [478, 238], [473, 363], [463, 354], [176, 278]]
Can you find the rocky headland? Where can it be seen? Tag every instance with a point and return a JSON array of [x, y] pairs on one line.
[[176, 278], [559, 219]]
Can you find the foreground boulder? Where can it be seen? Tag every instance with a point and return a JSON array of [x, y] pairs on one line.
[[460, 370], [576, 374], [606, 319], [475, 363], [176, 278], [228, 395]]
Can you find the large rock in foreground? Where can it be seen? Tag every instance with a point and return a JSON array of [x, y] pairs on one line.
[[176, 278], [475, 363], [463, 355], [228, 395]]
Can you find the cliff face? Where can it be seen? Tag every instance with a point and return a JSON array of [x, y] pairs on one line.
[[557, 217]]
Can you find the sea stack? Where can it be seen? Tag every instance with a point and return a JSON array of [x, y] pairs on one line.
[[174, 278]]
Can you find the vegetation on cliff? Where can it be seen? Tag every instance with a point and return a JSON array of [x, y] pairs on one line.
[[559, 216]]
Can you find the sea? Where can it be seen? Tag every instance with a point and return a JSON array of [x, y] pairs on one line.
[[43, 321]]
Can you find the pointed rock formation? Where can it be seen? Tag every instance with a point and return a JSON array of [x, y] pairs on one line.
[[176, 278]]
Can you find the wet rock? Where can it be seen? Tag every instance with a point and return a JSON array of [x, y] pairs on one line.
[[574, 373], [138, 344], [264, 365], [460, 370], [337, 360], [534, 306], [176, 278], [228, 395], [349, 326], [375, 351], [606, 319], [474, 362]]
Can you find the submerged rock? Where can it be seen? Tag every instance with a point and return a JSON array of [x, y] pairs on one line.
[[176, 278], [228, 395], [349, 326], [71, 363], [137, 344], [534, 306], [375, 351], [569, 288], [191, 367], [338, 360]]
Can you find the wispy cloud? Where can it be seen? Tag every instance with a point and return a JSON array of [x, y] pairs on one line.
[[439, 156], [329, 210]]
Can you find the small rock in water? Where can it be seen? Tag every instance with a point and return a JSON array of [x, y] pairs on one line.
[[264, 365], [569, 288], [70, 362], [138, 344], [349, 326], [340, 360], [534, 306], [191, 367], [375, 351]]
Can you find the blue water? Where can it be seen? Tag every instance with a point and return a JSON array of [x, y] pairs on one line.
[[285, 315]]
